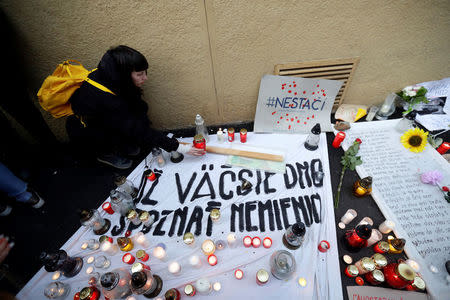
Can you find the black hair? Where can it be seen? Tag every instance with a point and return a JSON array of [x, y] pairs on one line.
[[118, 63]]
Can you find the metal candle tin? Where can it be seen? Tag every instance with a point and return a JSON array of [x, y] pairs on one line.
[[375, 277], [243, 133], [262, 277]]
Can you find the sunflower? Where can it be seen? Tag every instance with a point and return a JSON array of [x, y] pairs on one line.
[[414, 140]]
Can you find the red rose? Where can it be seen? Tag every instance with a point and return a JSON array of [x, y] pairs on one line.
[[358, 140], [445, 189]]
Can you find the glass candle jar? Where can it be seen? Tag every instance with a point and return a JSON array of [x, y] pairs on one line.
[[159, 157], [362, 187], [102, 262], [203, 286], [396, 245], [116, 284], [407, 122], [121, 202], [172, 294], [141, 240], [144, 283], [375, 237], [89, 293], [60, 261], [243, 134], [386, 227], [230, 134], [138, 267], [126, 186], [133, 217], [125, 244], [91, 218], [146, 218], [160, 251], [365, 265], [108, 247], [312, 141], [387, 108], [199, 142], [381, 247], [294, 236], [349, 215], [398, 275], [56, 290], [357, 238], [375, 277], [282, 264]]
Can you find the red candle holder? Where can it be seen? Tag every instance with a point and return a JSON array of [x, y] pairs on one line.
[[212, 260], [256, 242], [357, 238], [128, 258], [247, 241], [375, 277], [243, 133], [142, 255], [443, 148], [108, 208], [359, 280], [381, 247], [199, 142], [267, 242], [398, 275], [323, 246], [340, 136], [351, 271], [239, 274], [151, 176], [231, 134]]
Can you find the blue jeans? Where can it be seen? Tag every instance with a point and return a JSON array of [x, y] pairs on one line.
[[12, 185]]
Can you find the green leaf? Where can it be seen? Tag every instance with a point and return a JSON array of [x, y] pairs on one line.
[[422, 91]]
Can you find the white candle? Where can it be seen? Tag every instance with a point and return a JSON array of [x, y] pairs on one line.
[[256, 242], [413, 264], [231, 239], [302, 282], [208, 247], [238, 274], [386, 227], [347, 259], [349, 216], [142, 240], [212, 260], [247, 241], [160, 251], [174, 268], [267, 242], [90, 260], [84, 245], [109, 248], [194, 261], [217, 286], [89, 270], [203, 286], [365, 220], [374, 237]]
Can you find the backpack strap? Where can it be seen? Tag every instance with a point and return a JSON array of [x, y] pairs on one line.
[[98, 85]]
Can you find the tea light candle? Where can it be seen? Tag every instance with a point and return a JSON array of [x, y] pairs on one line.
[[203, 285], [413, 264], [212, 260], [239, 274], [84, 245], [247, 241], [347, 259], [365, 220], [108, 247], [174, 268], [93, 244], [194, 261], [189, 239], [217, 286], [349, 216], [108, 208], [160, 251], [89, 270], [128, 258], [267, 242], [256, 242], [302, 281], [215, 215], [141, 239], [341, 225], [231, 239], [323, 246], [56, 275], [386, 227], [208, 247], [220, 245], [90, 260]]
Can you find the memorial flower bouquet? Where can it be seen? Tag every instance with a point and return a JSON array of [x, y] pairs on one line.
[[349, 161], [413, 95]]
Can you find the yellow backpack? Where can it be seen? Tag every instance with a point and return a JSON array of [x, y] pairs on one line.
[[57, 88]]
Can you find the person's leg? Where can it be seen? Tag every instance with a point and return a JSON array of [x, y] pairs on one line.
[[16, 188]]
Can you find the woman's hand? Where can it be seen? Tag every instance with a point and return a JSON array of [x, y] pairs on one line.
[[196, 151], [4, 249]]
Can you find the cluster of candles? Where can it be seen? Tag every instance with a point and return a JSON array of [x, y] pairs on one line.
[[255, 242]]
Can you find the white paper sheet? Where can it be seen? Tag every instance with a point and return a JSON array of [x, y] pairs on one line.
[[420, 212], [321, 270]]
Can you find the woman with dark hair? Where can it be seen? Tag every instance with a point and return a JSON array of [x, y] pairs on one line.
[[115, 123]]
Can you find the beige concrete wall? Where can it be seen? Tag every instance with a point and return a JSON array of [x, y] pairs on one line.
[[207, 56]]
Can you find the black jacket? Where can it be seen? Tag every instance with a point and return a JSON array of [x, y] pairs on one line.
[[123, 115]]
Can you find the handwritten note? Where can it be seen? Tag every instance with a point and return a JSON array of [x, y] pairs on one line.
[[373, 293], [420, 212]]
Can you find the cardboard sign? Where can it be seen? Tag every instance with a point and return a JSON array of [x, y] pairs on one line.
[[377, 293], [294, 104]]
